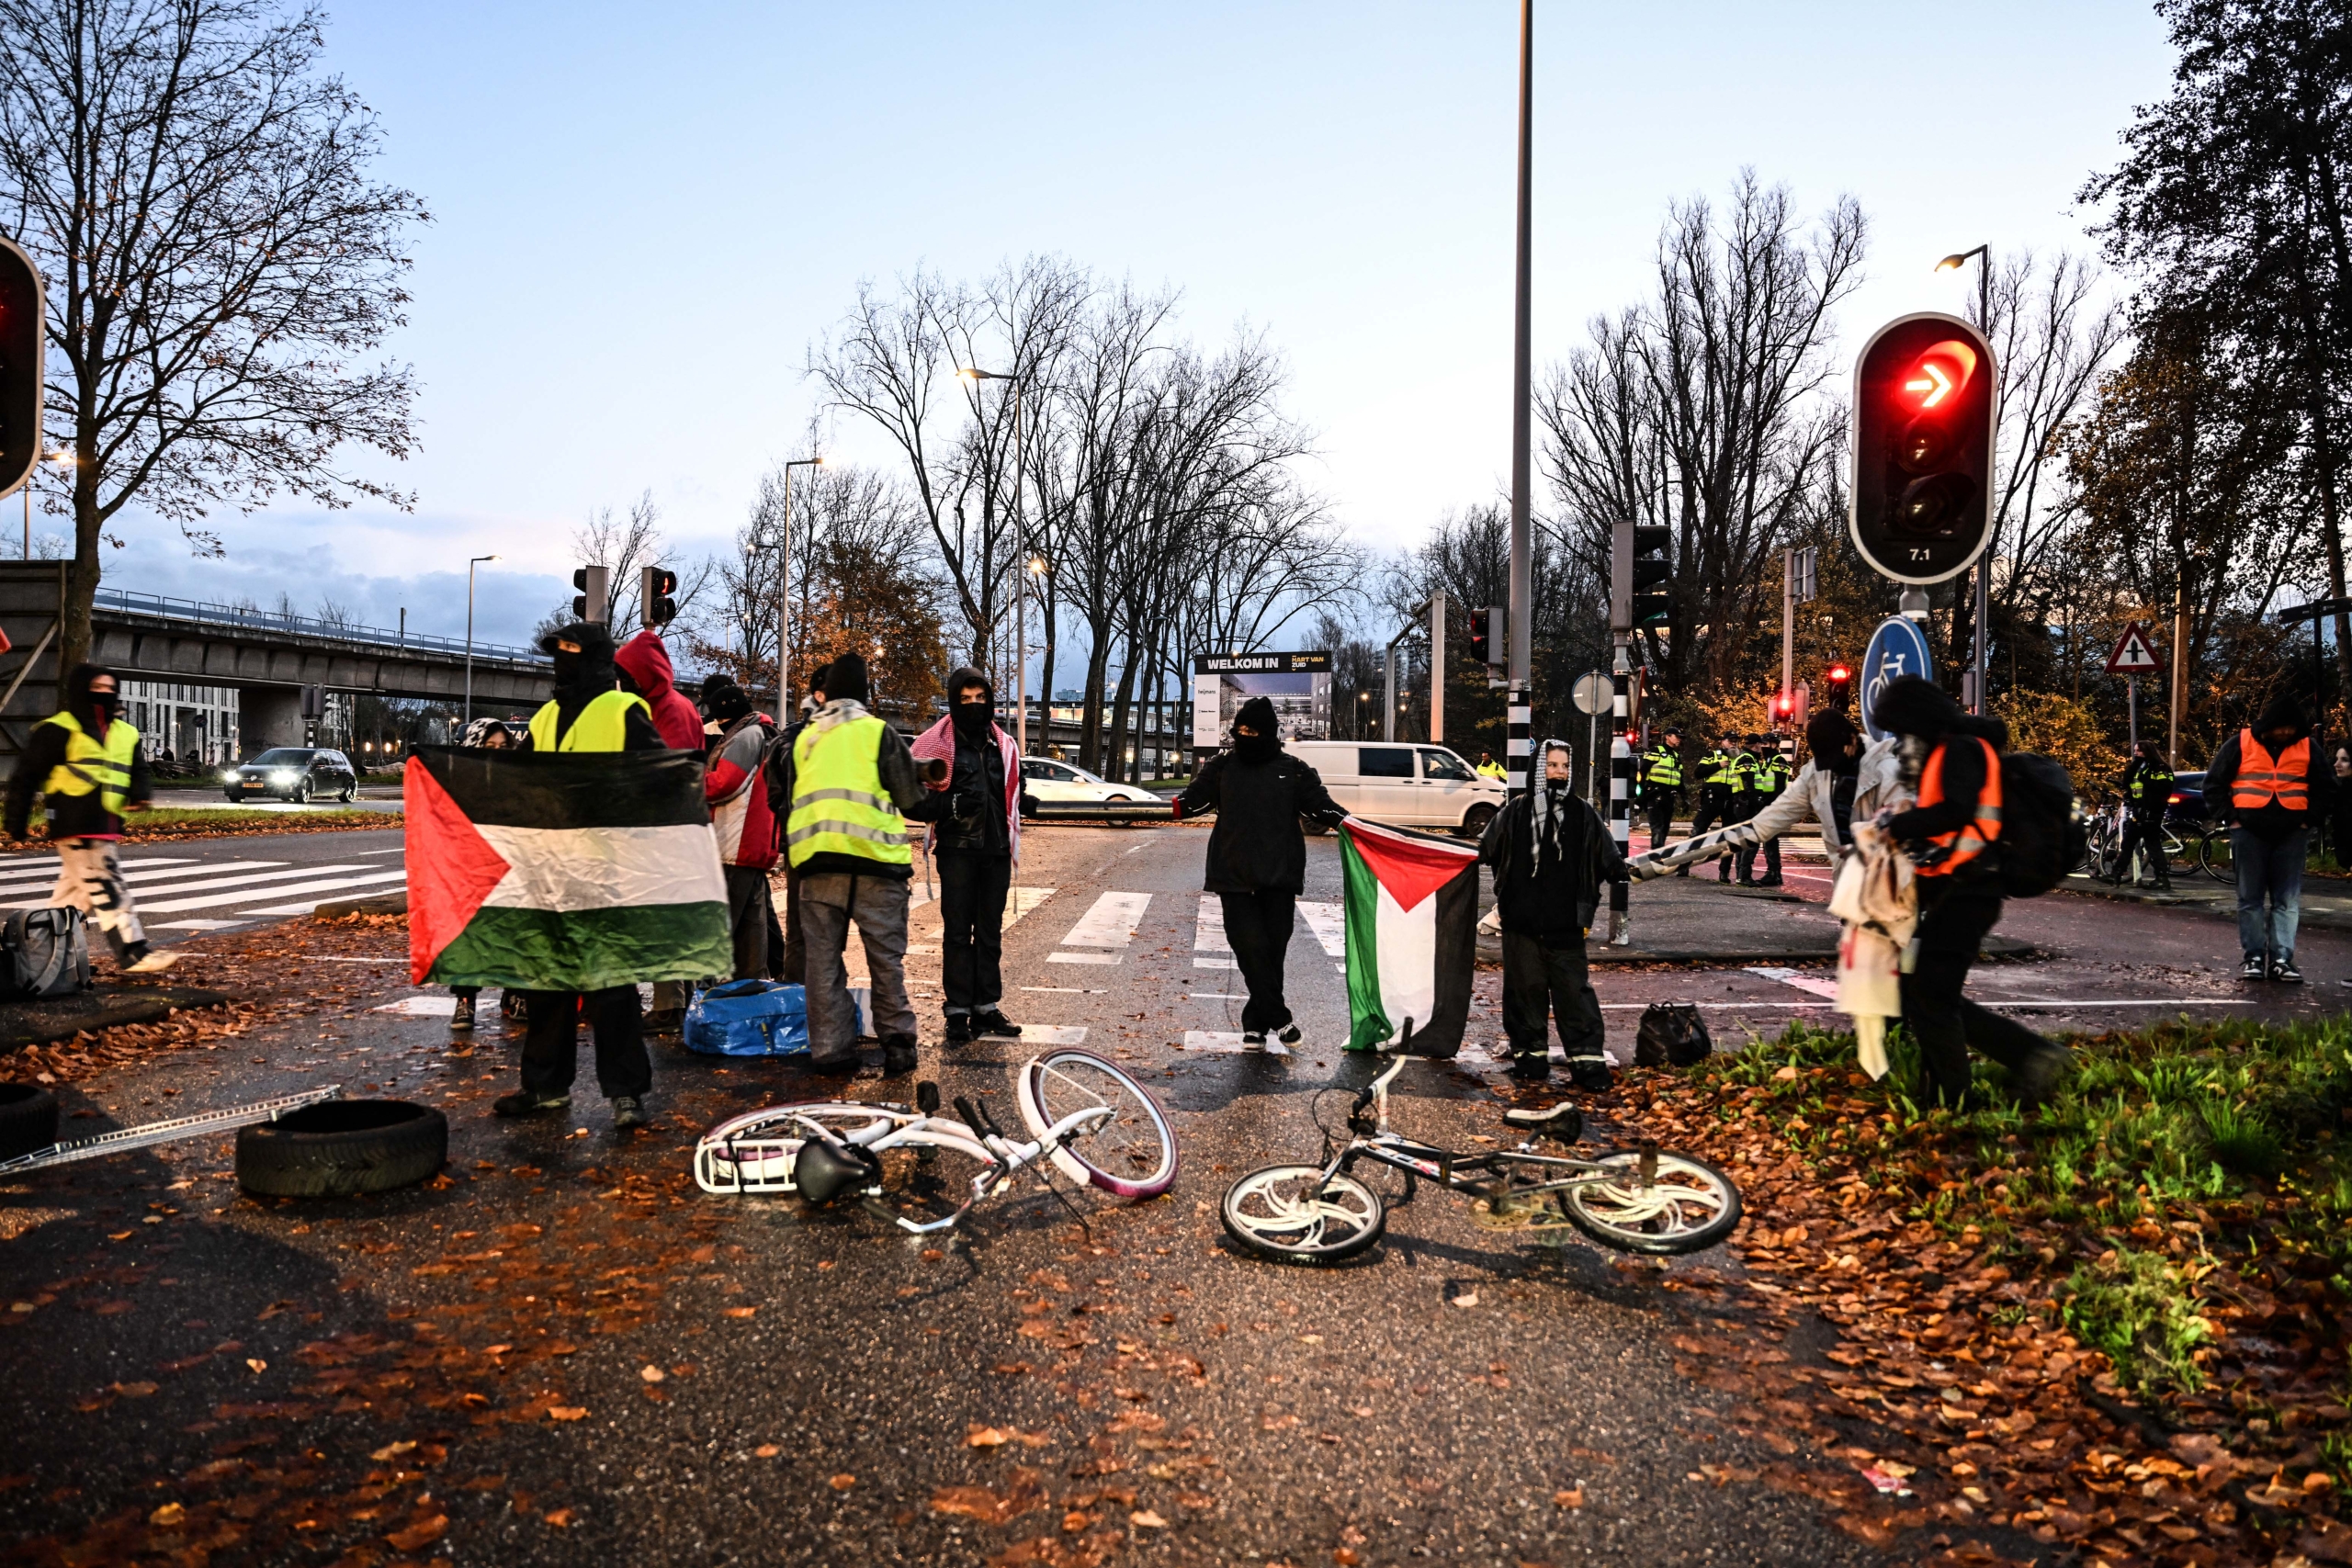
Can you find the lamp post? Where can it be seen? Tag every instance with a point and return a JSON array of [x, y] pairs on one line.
[[1020, 543], [1983, 254], [471, 564], [784, 592]]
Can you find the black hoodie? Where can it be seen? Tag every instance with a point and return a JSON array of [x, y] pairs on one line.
[[1259, 793], [71, 815], [1918, 708], [976, 784], [581, 678]]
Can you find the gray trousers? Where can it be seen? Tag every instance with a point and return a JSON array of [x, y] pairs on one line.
[[747, 914], [90, 879], [878, 904]]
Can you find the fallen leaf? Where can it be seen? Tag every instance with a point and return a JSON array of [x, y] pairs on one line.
[[567, 1411], [767, 1451], [1466, 1298], [424, 1532], [1144, 1519], [560, 1518], [740, 1312], [497, 1350], [167, 1516], [134, 1390], [842, 1482], [1571, 1498], [258, 1364], [987, 1438], [652, 1374], [393, 1451]]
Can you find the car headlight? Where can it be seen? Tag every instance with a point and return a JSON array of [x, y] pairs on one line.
[[283, 778], [230, 777]]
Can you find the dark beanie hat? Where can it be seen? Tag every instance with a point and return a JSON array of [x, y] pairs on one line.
[[1258, 713], [1913, 706], [2282, 712], [845, 678]]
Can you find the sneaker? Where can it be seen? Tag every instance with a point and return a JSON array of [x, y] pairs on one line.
[[150, 962], [2285, 972], [1288, 1035], [461, 1017], [959, 1029], [629, 1110], [1591, 1077], [993, 1021], [1771, 882], [523, 1102], [898, 1056], [1253, 1040], [1530, 1066], [2254, 969]]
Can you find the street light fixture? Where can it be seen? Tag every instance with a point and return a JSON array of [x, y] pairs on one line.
[[471, 564], [971, 376], [783, 590], [1984, 600]]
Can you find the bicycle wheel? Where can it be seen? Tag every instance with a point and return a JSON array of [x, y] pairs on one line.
[[2214, 855], [754, 1152], [2180, 854], [1688, 1207], [1278, 1213], [1131, 1155]]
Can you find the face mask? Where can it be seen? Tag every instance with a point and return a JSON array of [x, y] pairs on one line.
[[972, 719]]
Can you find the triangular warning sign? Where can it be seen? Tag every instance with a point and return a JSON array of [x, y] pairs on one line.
[[2134, 654]]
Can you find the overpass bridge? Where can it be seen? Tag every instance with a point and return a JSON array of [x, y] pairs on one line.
[[268, 657]]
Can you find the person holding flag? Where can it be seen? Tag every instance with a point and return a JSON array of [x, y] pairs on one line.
[[1551, 853]]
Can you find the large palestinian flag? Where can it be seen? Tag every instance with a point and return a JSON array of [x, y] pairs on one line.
[[1412, 916], [562, 872]]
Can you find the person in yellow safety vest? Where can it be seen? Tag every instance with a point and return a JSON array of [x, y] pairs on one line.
[[1769, 778], [85, 761], [1950, 837], [588, 712], [1714, 808], [2267, 778], [854, 789], [1662, 784], [1489, 767]]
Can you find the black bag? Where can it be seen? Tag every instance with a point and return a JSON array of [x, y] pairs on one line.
[[44, 952], [1672, 1035], [2042, 834]]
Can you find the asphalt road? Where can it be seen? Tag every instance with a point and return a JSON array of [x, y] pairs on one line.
[[594, 1361], [191, 888]]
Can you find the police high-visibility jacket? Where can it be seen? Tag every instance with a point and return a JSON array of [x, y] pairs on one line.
[[840, 805], [1663, 767], [2264, 779], [92, 764], [1743, 773], [1493, 770], [1773, 774], [2147, 785], [602, 726], [1717, 764], [1967, 841]]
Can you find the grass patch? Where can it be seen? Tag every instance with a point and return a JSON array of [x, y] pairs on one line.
[[168, 822], [2141, 1310]]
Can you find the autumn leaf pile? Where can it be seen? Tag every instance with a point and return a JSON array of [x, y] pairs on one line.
[[2116, 1325], [174, 824]]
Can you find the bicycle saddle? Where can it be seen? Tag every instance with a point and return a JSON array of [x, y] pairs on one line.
[[1563, 1121], [824, 1170]]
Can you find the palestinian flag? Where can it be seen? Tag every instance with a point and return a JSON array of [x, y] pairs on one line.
[[1412, 916], [564, 872]]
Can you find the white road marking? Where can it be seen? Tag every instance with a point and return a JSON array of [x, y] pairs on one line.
[[225, 926], [1082, 958], [919, 949], [421, 1006], [1812, 983], [188, 882], [1199, 962], [1208, 933], [1111, 922], [1228, 1043], [255, 895], [322, 959], [401, 851], [1024, 899], [1068, 990], [1329, 924], [1214, 997], [1045, 1034], [186, 869]]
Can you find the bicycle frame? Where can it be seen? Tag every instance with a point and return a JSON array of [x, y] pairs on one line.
[[755, 1152]]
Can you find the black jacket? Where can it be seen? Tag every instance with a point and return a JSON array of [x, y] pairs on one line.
[[1963, 775], [1552, 897], [1255, 846], [976, 782], [895, 765], [70, 816], [2272, 823]]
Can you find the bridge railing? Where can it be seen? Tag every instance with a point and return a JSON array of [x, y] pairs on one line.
[[307, 625]]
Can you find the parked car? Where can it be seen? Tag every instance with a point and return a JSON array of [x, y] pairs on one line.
[[2186, 801], [292, 773], [1405, 786], [1044, 779]]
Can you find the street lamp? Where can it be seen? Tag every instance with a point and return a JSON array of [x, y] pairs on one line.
[[783, 590], [973, 375], [471, 564], [1983, 254]]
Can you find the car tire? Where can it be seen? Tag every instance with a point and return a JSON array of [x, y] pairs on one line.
[[350, 793], [299, 795], [28, 1119], [340, 1147], [236, 796], [1476, 820]]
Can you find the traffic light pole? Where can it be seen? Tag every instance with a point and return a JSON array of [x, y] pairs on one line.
[[1517, 704], [1621, 791]]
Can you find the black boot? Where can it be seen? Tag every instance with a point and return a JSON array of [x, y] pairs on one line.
[[959, 1029], [897, 1054], [1589, 1075], [1532, 1066], [993, 1021]]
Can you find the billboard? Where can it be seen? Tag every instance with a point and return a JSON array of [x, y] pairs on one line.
[[1298, 684]]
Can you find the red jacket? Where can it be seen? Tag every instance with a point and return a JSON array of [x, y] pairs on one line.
[[646, 662]]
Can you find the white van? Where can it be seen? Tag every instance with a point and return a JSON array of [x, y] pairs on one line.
[[1407, 785]]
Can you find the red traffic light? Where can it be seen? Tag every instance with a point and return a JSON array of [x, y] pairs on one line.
[[1924, 429], [1839, 674]]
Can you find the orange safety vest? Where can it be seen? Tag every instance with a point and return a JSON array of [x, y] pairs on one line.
[[2263, 778], [1964, 843]]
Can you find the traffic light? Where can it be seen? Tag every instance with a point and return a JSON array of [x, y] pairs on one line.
[[594, 601], [1487, 636], [22, 368], [1839, 680], [1925, 411], [654, 586], [1638, 568]]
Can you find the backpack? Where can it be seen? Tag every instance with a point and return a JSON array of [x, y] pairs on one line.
[[44, 952], [1672, 1035], [2042, 834]]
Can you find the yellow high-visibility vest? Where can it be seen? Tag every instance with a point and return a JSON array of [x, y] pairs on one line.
[[603, 725], [838, 807], [101, 765]]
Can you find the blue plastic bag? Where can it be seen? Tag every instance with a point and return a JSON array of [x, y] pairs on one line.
[[749, 1018]]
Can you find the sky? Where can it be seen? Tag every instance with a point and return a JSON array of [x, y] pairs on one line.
[[644, 219]]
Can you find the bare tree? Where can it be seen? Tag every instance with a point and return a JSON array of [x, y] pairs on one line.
[[622, 545], [221, 266]]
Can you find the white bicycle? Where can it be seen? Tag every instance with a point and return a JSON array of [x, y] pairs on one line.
[[1095, 1123]]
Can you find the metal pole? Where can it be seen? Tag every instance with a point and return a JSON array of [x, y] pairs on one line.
[[784, 606], [1788, 622], [1621, 792], [1388, 694], [2132, 707], [1523, 592], [2177, 703], [469, 640], [1021, 592], [1985, 561], [1437, 668]]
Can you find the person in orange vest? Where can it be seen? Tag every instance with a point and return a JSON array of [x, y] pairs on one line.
[[1952, 837], [2265, 779]]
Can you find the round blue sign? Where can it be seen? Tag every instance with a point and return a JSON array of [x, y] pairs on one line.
[[1897, 648]]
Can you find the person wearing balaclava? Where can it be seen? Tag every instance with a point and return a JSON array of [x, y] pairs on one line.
[[2267, 778], [1257, 856], [1952, 836], [976, 845], [588, 712], [1551, 854], [85, 761], [735, 787]]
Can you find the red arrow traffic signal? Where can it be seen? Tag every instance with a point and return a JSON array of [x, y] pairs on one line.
[[1924, 427]]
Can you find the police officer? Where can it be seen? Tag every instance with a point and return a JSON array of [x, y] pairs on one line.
[[588, 712], [2147, 789], [1771, 778], [1715, 798], [1489, 768], [853, 787], [1662, 784], [1742, 773], [87, 764]]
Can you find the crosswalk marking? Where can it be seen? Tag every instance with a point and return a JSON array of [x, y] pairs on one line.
[[209, 884], [1024, 899], [1329, 924], [198, 925], [1818, 984], [1111, 922], [256, 895], [1228, 1043], [1082, 958], [147, 872], [1208, 936]]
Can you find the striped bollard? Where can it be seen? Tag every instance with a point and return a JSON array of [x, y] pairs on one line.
[[1518, 716], [1620, 801]]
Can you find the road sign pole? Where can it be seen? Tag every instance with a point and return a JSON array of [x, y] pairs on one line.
[[2132, 707]]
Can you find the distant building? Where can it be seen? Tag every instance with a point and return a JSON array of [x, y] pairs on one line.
[[193, 723]]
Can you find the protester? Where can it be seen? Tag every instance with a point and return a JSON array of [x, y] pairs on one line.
[[788, 955], [735, 784], [1771, 778], [85, 761], [1551, 853], [588, 712], [489, 735], [2267, 776], [1841, 780], [1257, 856], [1715, 803], [2147, 791], [977, 844], [643, 666], [1489, 768], [1662, 784], [1951, 836], [854, 789], [2341, 827]]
